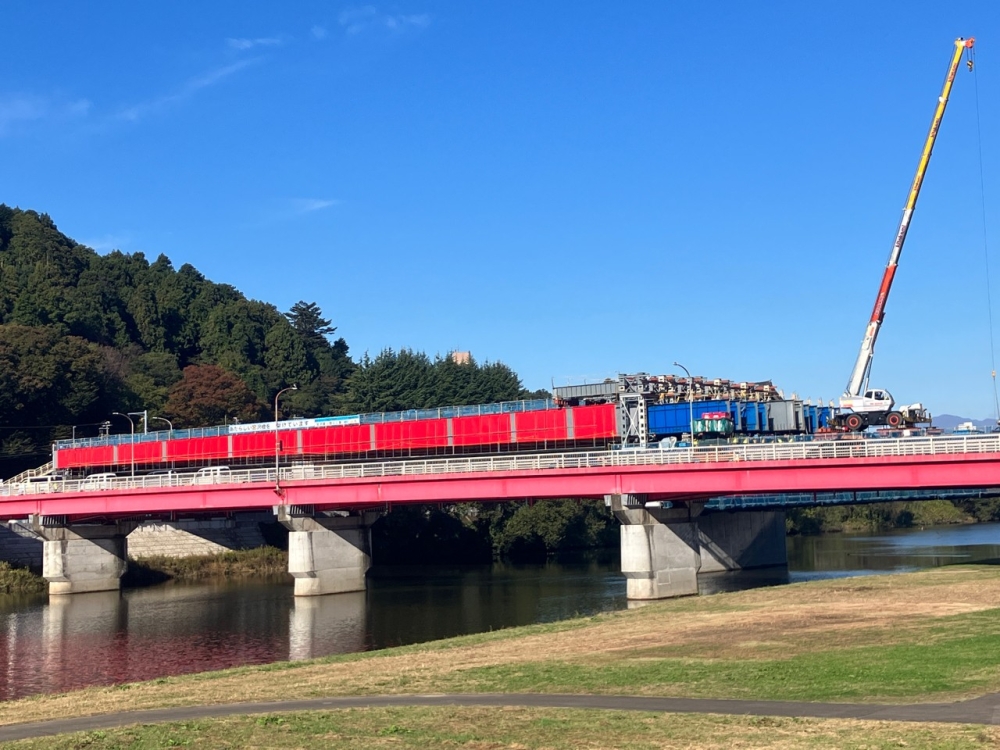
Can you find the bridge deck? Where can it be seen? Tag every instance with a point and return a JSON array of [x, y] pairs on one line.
[[816, 466]]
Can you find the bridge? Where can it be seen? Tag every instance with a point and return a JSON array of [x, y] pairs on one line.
[[658, 495]]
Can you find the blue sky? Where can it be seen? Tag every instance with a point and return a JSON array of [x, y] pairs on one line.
[[575, 190]]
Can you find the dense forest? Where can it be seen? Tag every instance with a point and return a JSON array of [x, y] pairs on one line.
[[83, 335]]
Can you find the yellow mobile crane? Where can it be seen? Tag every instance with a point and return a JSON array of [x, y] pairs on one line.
[[863, 406]]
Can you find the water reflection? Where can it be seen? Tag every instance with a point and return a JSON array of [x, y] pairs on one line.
[[323, 625], [106, 638]]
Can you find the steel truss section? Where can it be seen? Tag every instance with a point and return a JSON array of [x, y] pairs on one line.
[[632, 424]]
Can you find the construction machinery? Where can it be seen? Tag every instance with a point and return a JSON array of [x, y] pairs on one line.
[[862, 406]]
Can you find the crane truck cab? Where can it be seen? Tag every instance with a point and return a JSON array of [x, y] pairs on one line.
[[877, 407]]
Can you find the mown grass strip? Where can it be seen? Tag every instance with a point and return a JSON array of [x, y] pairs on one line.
[[420, 728], [966, 666]]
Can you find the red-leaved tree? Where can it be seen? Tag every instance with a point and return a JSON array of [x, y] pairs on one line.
[[208, 395]]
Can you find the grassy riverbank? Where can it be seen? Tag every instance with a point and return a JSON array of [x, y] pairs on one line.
[[147, 571], [886, 516], [20, 580], [919, 637], [244, 563]]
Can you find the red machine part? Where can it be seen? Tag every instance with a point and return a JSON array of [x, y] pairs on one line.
[[569, 427]]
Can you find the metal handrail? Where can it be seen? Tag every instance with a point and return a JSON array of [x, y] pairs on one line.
[[721, 454], [31, 473]]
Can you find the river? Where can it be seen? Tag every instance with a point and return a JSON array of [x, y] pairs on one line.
[[141, 634]]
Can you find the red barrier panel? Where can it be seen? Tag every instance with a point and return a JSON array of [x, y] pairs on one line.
[[350, 439], [199, 449], [72, 458], [145, 453], [401, 436], [485, 430], [250, 444], [541, 426], [288, 442], [590, 422]]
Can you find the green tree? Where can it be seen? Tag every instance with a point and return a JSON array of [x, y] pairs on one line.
[[286, 359], [49, 378], [393, 381], [234, 337], [150, 376], [308, 321], [549, 526]]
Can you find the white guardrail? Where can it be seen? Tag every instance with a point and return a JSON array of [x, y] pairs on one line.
[[817, 449]]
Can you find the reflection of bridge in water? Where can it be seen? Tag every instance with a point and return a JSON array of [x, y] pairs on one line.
[[104, 637], [667, 500]]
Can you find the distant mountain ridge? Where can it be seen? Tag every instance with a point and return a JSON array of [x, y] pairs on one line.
[[950, 422]]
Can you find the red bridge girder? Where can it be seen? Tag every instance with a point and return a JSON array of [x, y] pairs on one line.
[[659, 482]]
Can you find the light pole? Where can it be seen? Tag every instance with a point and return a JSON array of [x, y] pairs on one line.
[[690, 398], [164, 419], [277, 445], [131, 424], [145, 419]]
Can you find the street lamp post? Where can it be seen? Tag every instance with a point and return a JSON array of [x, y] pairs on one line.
[[164, 419], [277, 445], [690, 398], [131, 425], [145, 419]]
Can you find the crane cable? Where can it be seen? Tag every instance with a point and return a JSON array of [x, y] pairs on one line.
[[971, 63]]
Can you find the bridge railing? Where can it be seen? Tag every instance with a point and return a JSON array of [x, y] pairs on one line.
[[31, 473], [721, 454]]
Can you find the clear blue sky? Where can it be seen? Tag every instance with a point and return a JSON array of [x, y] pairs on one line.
[[573, 189]]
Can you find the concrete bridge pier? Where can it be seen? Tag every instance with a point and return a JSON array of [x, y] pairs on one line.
[[665, 549], [81, 558], [742, 539], [328, 553], [660, 552]]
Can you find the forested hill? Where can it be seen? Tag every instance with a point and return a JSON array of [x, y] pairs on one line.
[[83, 335]]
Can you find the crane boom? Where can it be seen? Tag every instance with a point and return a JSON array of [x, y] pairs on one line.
[[859, 376]]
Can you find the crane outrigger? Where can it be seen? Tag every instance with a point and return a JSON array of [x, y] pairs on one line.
[[863, 406]]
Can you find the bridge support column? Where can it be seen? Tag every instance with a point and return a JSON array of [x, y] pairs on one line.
[[661, 556], [80, 558], [747, 539], [327, 553]]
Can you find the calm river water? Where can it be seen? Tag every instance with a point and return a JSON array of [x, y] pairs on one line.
[[99, 639]]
